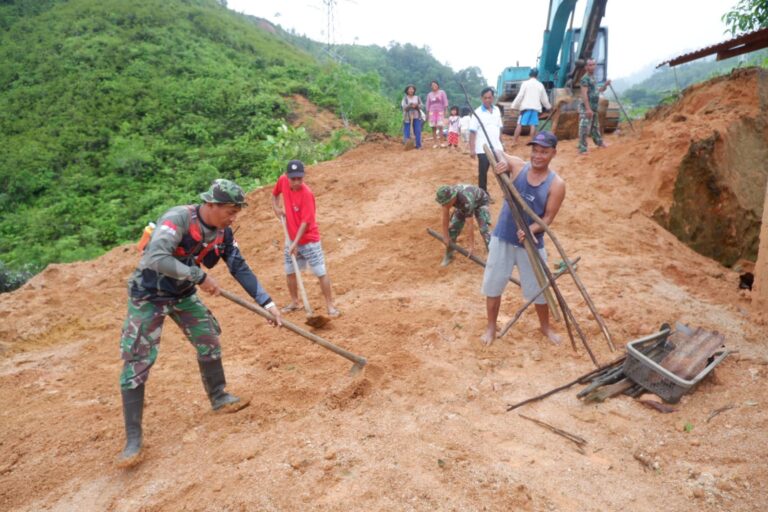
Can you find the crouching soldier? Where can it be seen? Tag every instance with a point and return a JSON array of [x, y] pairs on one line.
[[165, 284], [467, 201]]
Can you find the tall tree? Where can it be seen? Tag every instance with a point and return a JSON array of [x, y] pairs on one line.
[[746, 16]]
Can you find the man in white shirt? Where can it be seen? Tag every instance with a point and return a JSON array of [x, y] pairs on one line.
[[529, 102], [490, 115]]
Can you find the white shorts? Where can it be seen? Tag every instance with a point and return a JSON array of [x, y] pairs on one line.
[[502, 259]]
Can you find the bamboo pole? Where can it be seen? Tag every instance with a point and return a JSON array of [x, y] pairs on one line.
[[456, 247], [525, 306], [579, 380]]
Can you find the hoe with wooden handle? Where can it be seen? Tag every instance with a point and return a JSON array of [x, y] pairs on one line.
[[313, 320], [359, 361]]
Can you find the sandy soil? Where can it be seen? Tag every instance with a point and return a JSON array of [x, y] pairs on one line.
[[424, 426]]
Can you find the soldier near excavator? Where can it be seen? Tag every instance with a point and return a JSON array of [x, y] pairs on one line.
[[467, 201], [589, 123], [165, 284]]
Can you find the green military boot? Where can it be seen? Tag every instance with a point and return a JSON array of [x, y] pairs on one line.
[[133, 409], [214, 382]]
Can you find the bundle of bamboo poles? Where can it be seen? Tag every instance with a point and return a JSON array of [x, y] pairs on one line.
[[545, 279], [518, 206]]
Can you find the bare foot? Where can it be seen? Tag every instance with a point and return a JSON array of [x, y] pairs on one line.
[[333, 312], [583, 153], [603, 145], [489, 336], [552, 336]]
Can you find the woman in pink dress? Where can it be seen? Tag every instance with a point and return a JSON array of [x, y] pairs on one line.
[[437, 107]]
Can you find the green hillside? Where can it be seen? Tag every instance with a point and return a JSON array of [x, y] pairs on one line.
[[114, 110], [401, 64]]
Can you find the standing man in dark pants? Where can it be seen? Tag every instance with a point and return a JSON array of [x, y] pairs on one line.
[[490, 115], [165, 284]]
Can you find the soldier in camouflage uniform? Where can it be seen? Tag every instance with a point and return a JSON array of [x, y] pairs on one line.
[[588, 119], [165, 284], [467, 201]]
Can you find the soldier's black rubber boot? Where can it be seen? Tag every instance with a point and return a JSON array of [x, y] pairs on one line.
[[212, 373], [133, 409]]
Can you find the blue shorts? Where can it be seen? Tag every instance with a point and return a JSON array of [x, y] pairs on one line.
[[503, 257], [311, 253], [529, 118]]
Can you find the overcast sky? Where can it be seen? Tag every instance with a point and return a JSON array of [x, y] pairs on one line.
[[494, 34]]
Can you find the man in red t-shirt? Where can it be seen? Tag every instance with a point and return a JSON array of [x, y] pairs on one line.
[[304, 236]]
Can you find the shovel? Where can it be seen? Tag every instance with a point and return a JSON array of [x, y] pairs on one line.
[[312, 320], [358, 360]]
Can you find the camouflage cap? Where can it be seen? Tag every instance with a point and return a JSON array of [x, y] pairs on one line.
[[224, 191], [444, 194]]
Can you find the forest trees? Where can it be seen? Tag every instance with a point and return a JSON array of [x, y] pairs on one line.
[[746, 16]]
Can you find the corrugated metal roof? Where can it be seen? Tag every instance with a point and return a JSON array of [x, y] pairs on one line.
[[744, 43]]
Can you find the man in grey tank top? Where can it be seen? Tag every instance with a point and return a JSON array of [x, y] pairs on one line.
[[544, 192]]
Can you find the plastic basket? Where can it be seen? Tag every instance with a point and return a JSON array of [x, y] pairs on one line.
[[655, 378]]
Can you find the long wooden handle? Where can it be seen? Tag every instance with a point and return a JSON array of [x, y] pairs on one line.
[[358, 360], [456, 247], [297, 272]]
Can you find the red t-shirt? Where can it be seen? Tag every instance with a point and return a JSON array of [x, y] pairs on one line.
[[299, 207]]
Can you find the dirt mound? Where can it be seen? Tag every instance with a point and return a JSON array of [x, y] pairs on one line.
[[706, 165], [424, 426]]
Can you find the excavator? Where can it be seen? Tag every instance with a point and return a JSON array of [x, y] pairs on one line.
[[564, 54]]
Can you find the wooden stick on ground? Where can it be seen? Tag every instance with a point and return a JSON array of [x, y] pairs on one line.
[[718, 411], [605, 392], [579, 380], [456, 247], [579, 441]]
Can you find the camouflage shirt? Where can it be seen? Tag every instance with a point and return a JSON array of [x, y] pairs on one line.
[[469, 198], [588, 81], [163, 273]]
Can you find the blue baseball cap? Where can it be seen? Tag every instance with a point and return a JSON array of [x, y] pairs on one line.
[[544, 139]]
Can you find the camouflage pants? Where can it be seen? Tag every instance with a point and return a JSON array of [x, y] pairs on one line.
[[483, 218], [588, 127], [142, 328]]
